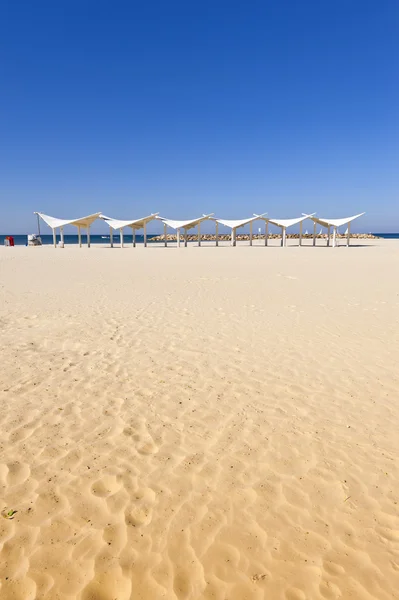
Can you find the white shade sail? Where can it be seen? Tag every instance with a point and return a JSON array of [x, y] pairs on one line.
[[53, 222], [235, 223], [184, 224], [135, 224], [286, 222], [334, 222]]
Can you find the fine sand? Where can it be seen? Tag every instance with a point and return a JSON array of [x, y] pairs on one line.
[[200, 423]]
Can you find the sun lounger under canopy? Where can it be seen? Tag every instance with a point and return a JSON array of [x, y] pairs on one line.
[[185, 225], [235, 224], [334, 223], [135, 225], [283, 224], [82, 222]]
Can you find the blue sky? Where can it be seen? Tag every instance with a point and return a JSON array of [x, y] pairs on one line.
[[190, 107]]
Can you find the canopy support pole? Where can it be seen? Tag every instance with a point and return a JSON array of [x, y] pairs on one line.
[[267, 233], [178, 237], [217, 234], [88, 236], [328, 235], [283, 236], [348, 235], [54, 238], [300, 233], [314, 233], [250, 233], [38, 223], [233, 236], [199, 234], [334, 237], [185, 238], [165, 235], [134, 237], [79, 236], [145, 234], [62, 235], [111, 236], [121, 236]]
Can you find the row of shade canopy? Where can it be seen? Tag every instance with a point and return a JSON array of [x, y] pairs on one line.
[[185, 226]]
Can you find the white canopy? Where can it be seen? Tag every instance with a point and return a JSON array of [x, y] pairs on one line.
[[53, 222], [184, 224], [286, 222], [136, 224], [235, 223], [334, 222]]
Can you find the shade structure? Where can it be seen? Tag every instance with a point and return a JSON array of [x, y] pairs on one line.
[[81, 222], [235, 224], [185, 225], [283, 224], [135, 224], [334, 223]]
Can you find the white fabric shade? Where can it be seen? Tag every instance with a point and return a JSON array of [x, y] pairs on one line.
[[136, 224], [53, 222], [235, 223], [184, 224], [286, 222], [334, 222]]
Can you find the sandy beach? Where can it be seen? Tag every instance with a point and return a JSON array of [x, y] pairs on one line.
[[200, 423]]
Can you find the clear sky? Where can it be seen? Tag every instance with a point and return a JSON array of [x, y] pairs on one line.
[[189, 107]]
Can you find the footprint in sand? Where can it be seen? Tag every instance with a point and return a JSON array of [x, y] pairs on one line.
[[333, 568], [138, 516], [17, 473], [147, 448], [295, 594], [106, 486], [140, 513]]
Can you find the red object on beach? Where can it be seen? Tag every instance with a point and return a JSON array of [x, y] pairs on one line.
[[10, 240]]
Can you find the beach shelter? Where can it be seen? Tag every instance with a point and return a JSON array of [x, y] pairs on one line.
[[185, 225], [283, 224], [235, 224], [81, 223], [135, 225], [334, 223]]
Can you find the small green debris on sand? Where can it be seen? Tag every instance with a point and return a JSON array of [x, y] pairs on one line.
[[8, 514]]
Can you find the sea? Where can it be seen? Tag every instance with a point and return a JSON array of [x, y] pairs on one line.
[[22, 240]]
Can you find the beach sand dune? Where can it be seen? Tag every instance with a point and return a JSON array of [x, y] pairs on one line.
[[200, 423]]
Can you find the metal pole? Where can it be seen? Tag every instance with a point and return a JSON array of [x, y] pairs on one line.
[[165, 236], [217, 233], [314, 234], [348, 235], [267, 233], [250, 233], [199, 234], [38, 223], [111, 236], [300, 233], [145, 235]]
